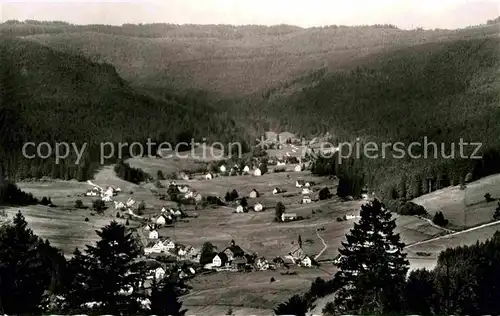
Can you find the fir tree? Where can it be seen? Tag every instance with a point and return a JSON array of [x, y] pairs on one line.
[[496, 215], [110, 267], [296, 305], [372, 268], [164, 299], [26, 268]]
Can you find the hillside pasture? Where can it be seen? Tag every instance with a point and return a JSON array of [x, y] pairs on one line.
[[453, 202]]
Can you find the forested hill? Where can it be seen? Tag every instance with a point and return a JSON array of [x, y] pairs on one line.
[[442, 91], [50, 96]]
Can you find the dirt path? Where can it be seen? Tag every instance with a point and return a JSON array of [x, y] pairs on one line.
[[436, 226], [453, 234], [325, 246]]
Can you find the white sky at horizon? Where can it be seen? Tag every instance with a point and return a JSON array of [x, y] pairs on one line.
[[403, 13]]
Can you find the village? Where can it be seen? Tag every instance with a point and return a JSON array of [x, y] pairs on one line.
[[156, 228]]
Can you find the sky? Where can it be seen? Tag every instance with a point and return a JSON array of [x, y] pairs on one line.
[[405, 14]]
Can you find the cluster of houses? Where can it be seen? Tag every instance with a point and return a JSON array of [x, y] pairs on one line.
[[165, 217], [235, 170], [233, 258], [166, 246], [306, 190], [106, 195], [185, 192]]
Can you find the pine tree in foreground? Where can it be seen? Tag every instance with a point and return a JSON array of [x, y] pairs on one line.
[[164, 299], [373, 267], [296, 305]]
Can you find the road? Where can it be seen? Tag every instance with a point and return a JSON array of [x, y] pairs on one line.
[[325, 246], [436, 226], [453, 234]]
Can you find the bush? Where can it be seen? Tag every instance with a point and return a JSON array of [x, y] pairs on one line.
[[86, 219], [141, 208], [78, 204], [127, 223], [488, 197], [159, 175], [99, 206], [118, 215], [324, 194], [340, 219], [410, 208], [439, 219]]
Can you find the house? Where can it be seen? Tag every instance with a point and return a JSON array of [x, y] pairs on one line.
[[148, 227], [159, 273], [298, 168], [300, 183], [189, 195], [261, 264], [197, 197], [163, 210], [285, 217], [239, 209], [253, 194], [306, 191], [258, 207], [219, 260], [208, 176], [297, 254], [306, 262], [153, 234], [233, 251], [281, 163], [307, 184], [93, 192], [183, 188], [239, 262], [130, 202], [222, 169], [257, 172], [154, 247], [178, 213], [276, 191], [109, 192], [306, 199], [163, 219], [168, 245], [246, 169], [107, 198], [119, 205]]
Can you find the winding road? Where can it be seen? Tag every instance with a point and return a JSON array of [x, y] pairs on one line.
[[325, 246]]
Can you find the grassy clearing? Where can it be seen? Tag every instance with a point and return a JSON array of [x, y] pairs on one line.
[[453, 202]]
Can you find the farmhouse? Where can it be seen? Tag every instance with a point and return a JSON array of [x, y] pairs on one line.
[[306, 262], [130, 202], [219, 260], [300, 183], [285, 217], [306, 199], [197, 197], [246, 169], [306, 191], [281, 163], [261, 264], [163, 219], [277, 191], [107, 198], [233, 251], [254, 194], [119, 205], [298, 168], [257, 172], [153, 234], [93, 192], [183, 188], [222, 169], [258, 207], [208, 176], [239, 209]]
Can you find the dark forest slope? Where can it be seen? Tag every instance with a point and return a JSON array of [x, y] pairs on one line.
[[443, 91], [52, 96]]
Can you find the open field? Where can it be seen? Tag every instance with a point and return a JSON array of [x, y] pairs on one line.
[[251, 290], [452, 202], [254, 232]]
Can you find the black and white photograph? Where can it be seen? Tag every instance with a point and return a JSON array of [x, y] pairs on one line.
[[250, 157]]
